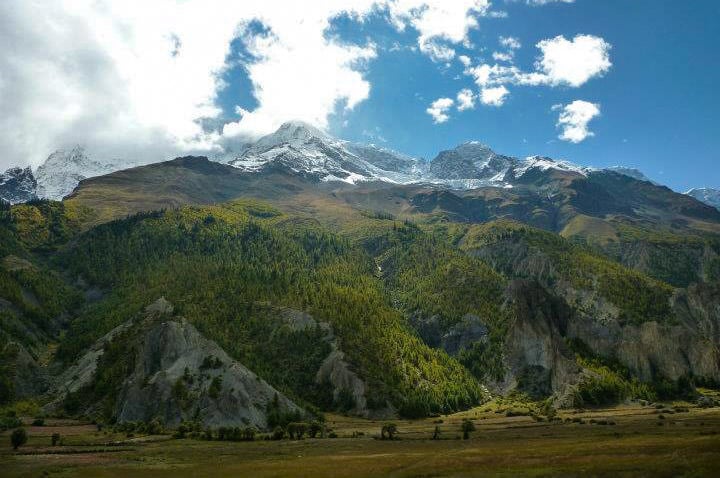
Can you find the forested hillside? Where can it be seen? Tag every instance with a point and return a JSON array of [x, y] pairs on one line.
[[394, 310]]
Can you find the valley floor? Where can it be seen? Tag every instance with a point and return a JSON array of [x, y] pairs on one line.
[[643, 441]]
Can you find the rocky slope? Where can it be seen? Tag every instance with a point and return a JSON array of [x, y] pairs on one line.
[[169, 371]]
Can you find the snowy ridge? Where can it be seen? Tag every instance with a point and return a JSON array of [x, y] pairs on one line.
[[62, 171], [303, 149], [709, 196], [299, 148]]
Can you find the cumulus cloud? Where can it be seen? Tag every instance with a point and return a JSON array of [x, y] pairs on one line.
[[561, 62], [572, 62], [439, 110], [574, 119], [465, 99], [438, 22], [494, 96]]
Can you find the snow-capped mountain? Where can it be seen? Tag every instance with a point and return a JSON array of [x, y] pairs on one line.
[[709, 196], [304, 149], [17, 185], [63, 170], [300, 148]]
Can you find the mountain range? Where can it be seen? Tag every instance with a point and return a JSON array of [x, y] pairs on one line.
[[311, 274], [306, 150]]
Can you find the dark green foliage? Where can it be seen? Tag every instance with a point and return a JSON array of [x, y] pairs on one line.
[[215, 387], [441, 285], [604, 386], [517, 250], [114, 365], [236, 434], [210, 362], [278, 417], [388, 431], [220, 274], [278, 433], [55, 439], [467, 427], [18, 438], [9, 422], [315, 428], [297, 430]]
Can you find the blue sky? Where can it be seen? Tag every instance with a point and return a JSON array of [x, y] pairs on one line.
[[659, 101], [596, 82]]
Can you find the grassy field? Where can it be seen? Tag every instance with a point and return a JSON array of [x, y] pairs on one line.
[[644, 441]]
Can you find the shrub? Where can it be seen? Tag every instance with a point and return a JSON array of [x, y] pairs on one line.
[[249, 433], [18, 438], [38, 422], [467, 427], [278, 433], [9, 422], [388, 431], [154, 427], [297, 429], [55, 439], [215, 387], [315, 428]]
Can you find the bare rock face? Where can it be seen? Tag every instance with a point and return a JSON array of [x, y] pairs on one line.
[[538, 361], [177, 374]]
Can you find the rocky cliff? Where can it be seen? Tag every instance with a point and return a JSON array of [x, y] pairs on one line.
[[172, 373]]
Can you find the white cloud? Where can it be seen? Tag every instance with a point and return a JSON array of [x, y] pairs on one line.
[[439, 108], [574, 119], [138, 79], [486, 75], [573, 62], [438, 21], [494, 96], [503, 56], [561, 62], [510, 42], [300, 74], [465, 60], [465, 99]]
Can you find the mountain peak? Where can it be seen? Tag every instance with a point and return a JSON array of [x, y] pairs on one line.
[[296, 130]]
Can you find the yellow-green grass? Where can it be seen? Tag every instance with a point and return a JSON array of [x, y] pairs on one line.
[[685, 444], [593, 229]]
